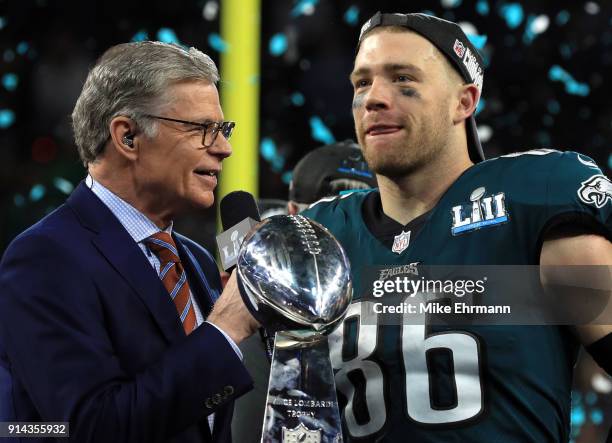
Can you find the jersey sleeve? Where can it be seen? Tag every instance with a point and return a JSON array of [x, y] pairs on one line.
[[578, 195]]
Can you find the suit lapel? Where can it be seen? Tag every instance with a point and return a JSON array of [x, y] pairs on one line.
[[124, 255]]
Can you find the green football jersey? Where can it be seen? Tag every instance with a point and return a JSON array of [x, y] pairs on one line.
[[420, 383]]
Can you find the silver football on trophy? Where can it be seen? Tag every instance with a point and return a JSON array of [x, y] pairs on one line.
[[294, 276]]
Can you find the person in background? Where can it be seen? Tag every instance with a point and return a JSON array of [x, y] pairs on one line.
[[328, 171], [110, 320]]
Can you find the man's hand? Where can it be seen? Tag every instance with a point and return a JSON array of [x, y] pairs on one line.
[[231, 315]]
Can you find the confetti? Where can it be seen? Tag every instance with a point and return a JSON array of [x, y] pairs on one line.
[[10, 81], [513, 14], [7, 118], [278, 44], [351, 16], [320, 132], [37, 192]]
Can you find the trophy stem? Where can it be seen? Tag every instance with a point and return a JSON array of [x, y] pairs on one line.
[[302, 405]]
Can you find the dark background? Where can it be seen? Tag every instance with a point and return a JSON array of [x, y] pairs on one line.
[[546, 85]]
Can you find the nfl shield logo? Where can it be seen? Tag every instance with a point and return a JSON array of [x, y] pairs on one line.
[[459, 49], [401, 241], [301, 434]]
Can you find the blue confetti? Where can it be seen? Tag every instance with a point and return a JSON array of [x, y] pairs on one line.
[[278, 44], [562, 18], [529, 36], [553, 106], [8, 56], [548, 120], [478, 40], [610, 161], [286, 177], [22, 48], [513, 14], [167, 35], [19, 200], [351, 16], [450, 3], [277, 163], [267, 148], [482, 7], [141, 36], [217, 43], [597, 417], [577, 416], [7, 118], [481, 105], [297, 99], [2, 22], [270, 154], [10, 81], [320, 132], [304, 7], [63, 185], [557, 73], [37, 192]]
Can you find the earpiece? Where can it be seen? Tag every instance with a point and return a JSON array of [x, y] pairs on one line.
[[128, 140]]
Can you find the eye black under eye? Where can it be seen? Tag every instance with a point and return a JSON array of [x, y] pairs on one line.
[[409, 92]]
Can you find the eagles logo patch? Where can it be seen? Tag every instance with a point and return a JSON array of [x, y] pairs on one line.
[[596, 191]]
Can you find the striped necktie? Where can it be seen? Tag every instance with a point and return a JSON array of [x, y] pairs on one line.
[[173, 277]]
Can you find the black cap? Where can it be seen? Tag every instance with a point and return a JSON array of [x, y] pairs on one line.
[[313, 174], [450, 39]]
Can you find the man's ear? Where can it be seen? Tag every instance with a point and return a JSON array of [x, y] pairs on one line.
[[468, 96], [123, 137]]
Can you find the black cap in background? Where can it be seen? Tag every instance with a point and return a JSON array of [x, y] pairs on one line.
[[314, 173]]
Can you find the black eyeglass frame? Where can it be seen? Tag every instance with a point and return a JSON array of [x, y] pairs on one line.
[[225, 127]]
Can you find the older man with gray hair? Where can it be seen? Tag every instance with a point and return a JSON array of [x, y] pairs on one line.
[[109, 319]]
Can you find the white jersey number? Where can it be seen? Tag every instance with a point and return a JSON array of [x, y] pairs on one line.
[[414, 347]]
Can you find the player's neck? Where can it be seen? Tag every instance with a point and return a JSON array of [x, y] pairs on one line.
[[405, 198]]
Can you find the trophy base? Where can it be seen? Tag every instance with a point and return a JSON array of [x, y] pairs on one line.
[[302, 405]]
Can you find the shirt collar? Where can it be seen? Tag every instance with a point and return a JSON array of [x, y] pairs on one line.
[[138, 225]]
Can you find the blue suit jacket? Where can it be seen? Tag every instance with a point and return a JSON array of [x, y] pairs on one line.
[[89, 335]]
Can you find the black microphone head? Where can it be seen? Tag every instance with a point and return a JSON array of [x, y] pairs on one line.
[[236, 206]]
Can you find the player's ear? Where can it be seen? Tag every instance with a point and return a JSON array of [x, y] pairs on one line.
[[468, 97]]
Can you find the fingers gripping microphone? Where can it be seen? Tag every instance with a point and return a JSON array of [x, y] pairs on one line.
[[239, 213]]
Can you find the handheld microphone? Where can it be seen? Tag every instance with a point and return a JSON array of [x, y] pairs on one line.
[[239, 213]]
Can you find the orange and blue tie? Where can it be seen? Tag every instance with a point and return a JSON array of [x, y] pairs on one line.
[[173, 277]]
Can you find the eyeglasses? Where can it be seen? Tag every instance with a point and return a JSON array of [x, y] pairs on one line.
[[209, 130]]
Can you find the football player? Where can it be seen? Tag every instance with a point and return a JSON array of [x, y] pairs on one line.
[[417, 80]]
